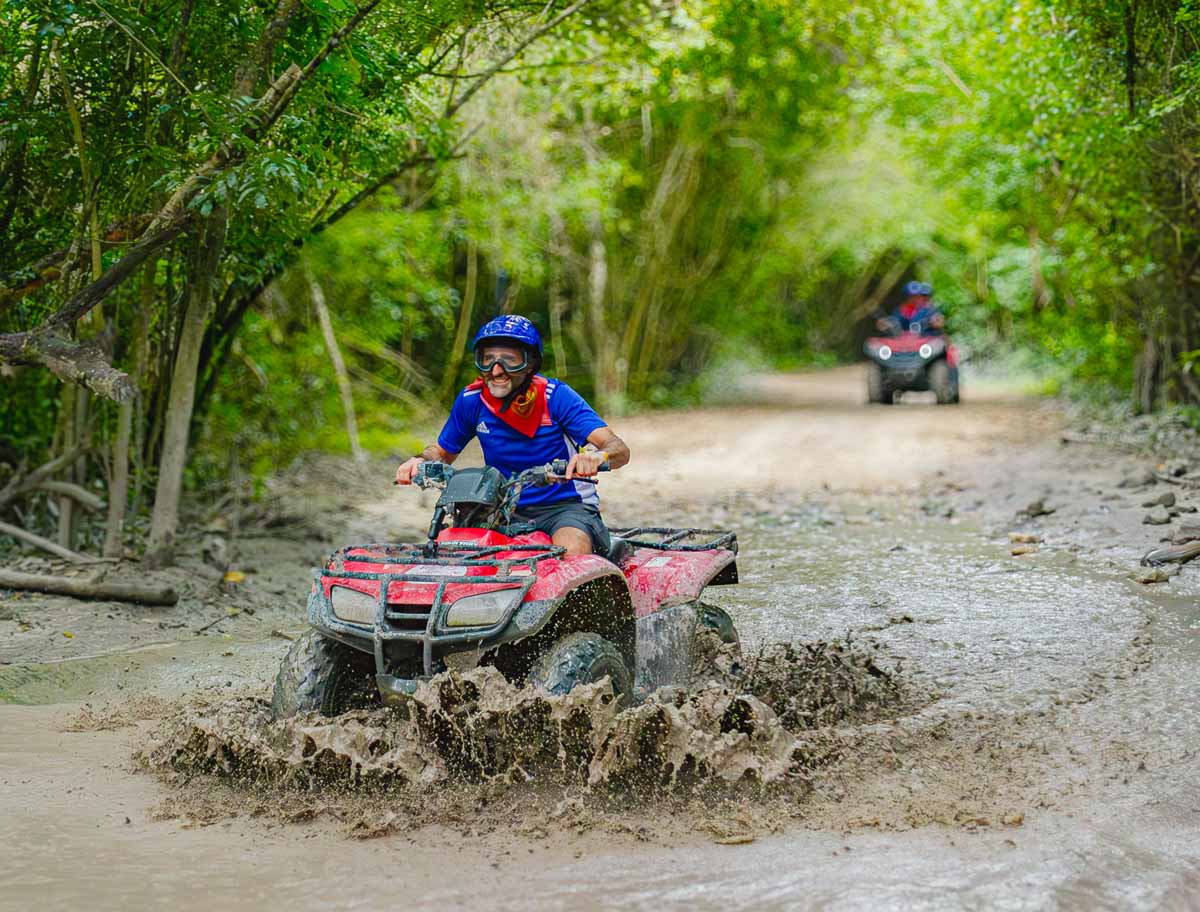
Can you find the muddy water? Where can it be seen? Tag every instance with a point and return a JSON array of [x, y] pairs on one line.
[[989, 632], [1004, 646]]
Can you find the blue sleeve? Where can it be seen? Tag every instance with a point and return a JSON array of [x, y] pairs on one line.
[[572, 413], [460, 426]]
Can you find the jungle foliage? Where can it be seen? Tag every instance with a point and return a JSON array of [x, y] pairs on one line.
[[251, 229]]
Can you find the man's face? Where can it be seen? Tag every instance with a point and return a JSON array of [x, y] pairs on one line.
[[500, 384]]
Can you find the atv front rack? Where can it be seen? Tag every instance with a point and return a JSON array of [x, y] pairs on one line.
[[425, 625], [449, 554], [678, 539]]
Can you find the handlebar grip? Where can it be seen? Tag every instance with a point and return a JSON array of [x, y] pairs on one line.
[[559, 466]]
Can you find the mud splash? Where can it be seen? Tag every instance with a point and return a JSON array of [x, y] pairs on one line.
[[750, 720]]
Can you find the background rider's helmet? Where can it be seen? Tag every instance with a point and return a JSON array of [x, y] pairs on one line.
[[512, 329], [912, 289], [926, 290]]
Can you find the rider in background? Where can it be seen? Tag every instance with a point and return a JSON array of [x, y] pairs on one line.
[[523, 420], [916, 314]]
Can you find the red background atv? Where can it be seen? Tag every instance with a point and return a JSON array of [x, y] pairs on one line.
[[911, 361], [484, 591]]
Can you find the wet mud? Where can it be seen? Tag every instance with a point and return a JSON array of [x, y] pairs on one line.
[[752, 724]]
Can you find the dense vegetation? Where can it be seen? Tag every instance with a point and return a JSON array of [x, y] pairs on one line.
[[233, 231]]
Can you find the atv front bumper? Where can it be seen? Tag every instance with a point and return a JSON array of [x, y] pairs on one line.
[[402, 639]]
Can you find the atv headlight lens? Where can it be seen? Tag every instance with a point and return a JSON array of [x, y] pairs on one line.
[[354, 606], [925, 350], [885, 352], [482, 610]]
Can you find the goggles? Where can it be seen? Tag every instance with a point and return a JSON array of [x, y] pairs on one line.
[[510, 364]]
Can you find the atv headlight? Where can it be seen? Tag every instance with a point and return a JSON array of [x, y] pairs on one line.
[[925, 350], [354, 606], [885, 352], [482, 610]]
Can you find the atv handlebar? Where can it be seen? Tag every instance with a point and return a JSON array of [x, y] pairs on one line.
[[436, 474]]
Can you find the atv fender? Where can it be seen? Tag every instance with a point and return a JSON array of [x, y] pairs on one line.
[[584, 594], [663, 579]]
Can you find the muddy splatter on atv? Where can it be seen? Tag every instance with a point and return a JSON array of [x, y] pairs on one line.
[[482, 590]]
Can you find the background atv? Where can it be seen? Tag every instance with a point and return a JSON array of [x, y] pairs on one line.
[[486, 590], [911, 361]]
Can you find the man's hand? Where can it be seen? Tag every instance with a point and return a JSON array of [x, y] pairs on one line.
[[585, 464], [408, 470], [432, 453]]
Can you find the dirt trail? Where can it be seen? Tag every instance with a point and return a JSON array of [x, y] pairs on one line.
[[1054, 768]]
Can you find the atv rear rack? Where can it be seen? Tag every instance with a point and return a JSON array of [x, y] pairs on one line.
[[678, 539]]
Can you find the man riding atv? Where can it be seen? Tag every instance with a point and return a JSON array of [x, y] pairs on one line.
[[522, 420], [517, 571], [917, 313]]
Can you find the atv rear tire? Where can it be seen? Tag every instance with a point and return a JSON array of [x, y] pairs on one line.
[[582, 658], [717, 620], [943, 384], [322, 675]]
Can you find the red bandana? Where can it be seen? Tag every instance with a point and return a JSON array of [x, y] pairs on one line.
[[527, 413]]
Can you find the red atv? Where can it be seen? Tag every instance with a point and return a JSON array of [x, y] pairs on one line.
[[911, 361], [483, 590]]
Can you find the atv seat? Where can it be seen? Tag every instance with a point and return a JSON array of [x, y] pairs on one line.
[[619, 550]]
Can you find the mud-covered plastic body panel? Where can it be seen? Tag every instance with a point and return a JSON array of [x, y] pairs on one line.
[[659, 579], [414, 592]]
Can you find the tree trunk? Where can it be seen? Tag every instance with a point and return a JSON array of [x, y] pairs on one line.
[[1145, 376], [339, 368], [454, 362], [607, 374], [203, 262], [141, 368], [66, 506], [118, 483]]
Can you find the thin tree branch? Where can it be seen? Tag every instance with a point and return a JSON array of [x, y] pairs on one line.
[[505, 59]]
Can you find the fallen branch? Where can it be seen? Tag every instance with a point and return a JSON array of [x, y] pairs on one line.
[[1177, 554], [43, 543], [23, 483], [1183, 481], [210, 624], [88, 588], [81, 496]]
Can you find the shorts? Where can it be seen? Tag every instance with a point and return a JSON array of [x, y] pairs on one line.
[[549, 518]]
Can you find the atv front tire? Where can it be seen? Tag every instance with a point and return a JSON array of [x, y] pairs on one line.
[[582, 658], [943, 383], [322, 675], [877, 391]]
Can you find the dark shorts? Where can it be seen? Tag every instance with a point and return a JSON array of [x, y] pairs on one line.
[[549, 518]]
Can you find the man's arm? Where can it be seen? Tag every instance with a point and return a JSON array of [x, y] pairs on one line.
[[431, 453], [608, 448]]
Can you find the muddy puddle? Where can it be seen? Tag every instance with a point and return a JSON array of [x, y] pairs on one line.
[[899, 669], [753, 723], [905, 684]]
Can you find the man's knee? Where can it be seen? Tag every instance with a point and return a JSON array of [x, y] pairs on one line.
[[576, 541]]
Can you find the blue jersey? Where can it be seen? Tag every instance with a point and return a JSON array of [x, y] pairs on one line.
[[569, 423]]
